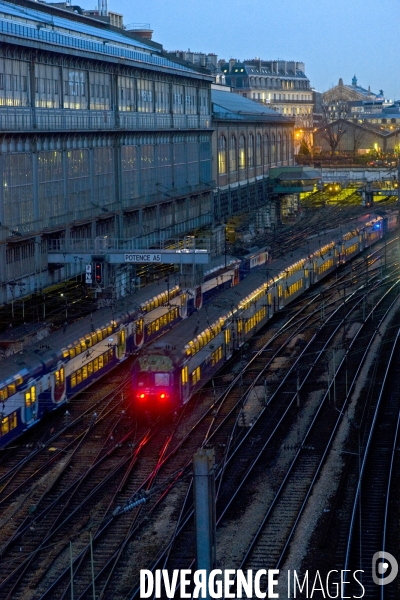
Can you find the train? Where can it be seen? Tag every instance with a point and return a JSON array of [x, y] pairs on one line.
[[48, 373], [239, 293], [169, 371]]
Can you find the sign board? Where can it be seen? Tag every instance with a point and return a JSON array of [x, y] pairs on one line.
[[89, 273], [143, 258]]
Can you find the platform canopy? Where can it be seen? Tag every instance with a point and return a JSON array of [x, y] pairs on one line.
[[293, 180]]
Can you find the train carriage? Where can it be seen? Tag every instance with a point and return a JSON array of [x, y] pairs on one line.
[[198, 336]]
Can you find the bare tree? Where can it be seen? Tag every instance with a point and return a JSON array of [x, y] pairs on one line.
[[332, 133], [358, 137]]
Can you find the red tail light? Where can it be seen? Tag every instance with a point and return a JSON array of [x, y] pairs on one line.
[[163, 396], [141, 396]]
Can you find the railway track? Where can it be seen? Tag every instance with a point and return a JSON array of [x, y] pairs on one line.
[[146, 466], [169, 559], [374, 517]]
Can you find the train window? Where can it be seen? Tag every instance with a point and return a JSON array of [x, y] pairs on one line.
[[84, 372], [139, 327], [184, 375], [94, 339], [216, 356], [90, 368], [78, 376], [196, 376], [8, 423], [11, 389], [73, 380], [96, 365], [161, 379], [77, 349], [3, 395], [104, 332], [101, 361], [240, 325], [65, 353], [30, 396], [110, 354], [227, 336], [59, 377], [71, 352], [109, 329], [18, 380]]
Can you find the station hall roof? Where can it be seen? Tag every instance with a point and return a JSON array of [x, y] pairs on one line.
[[33, 24], [228, 105]]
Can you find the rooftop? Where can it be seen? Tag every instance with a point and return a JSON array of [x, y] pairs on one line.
[[231, 105]]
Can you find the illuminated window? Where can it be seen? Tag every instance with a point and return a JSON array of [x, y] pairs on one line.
[[59, 377], [196, 376], [184, 375], [222, 155], [232, 154], [242, 152]]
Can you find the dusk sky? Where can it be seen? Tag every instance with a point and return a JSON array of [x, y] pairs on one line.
[[334, 38]]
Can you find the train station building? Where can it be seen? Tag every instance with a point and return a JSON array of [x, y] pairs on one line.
[[104, 136]]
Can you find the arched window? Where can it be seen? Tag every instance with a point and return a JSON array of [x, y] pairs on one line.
[[266, 150], [258, 150], [250, 150], [278, 148], [273, 150], [242, 152], [232, 154], [222, 155]]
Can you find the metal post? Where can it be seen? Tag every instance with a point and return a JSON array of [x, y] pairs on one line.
[[72, 570], [204, 501], [334, 379], [92, 564]]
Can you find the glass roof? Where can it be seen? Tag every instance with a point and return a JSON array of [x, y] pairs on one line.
[[34, 24]]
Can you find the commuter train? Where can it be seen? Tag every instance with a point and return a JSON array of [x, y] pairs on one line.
[[48, 373], [169, 371]]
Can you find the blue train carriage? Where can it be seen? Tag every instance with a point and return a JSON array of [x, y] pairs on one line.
[[215, 281], [254, 259], [48, 377], [19, 395]]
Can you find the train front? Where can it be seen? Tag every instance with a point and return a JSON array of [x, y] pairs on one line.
[[155, 385]]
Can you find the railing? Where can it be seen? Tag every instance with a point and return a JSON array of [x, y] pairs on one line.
[[109, 47], [16, 118]]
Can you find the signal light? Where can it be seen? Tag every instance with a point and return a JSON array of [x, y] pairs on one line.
[[98, 272]]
